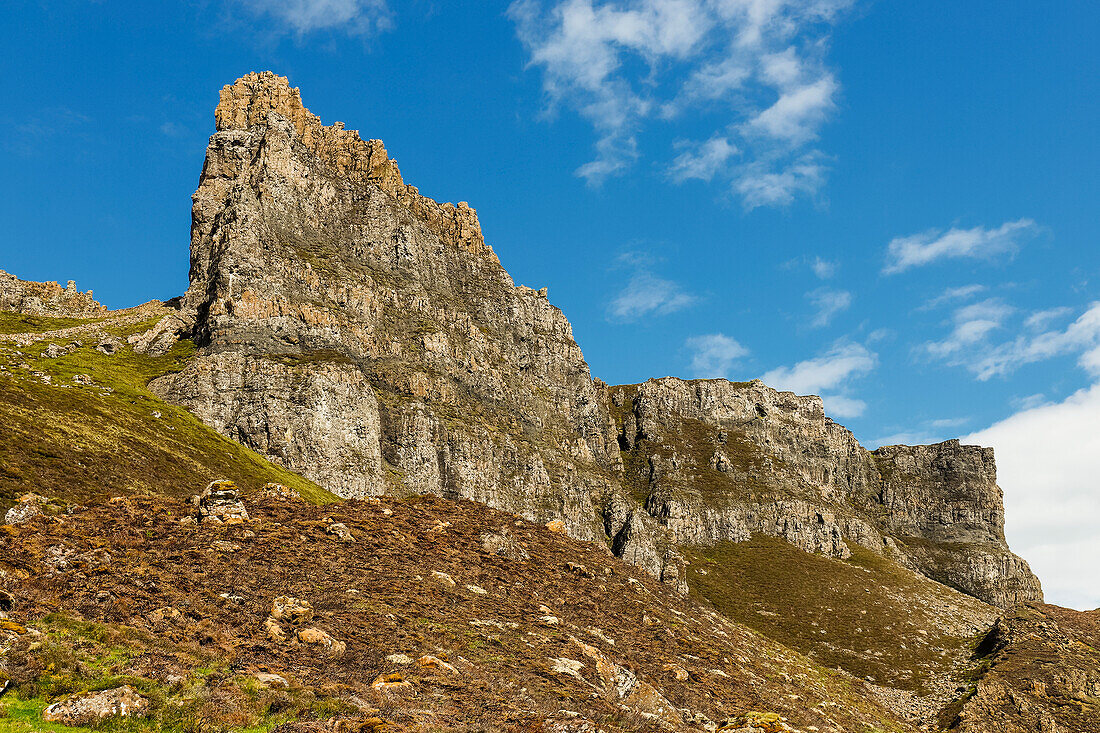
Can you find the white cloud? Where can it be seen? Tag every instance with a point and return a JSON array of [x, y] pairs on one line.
[[1048, 458], [841, 406], [798, 113], [964, 292], [973, 323], [1041, 319], [761, 184], [949, 422], [979, 242], [823, 269], [357, 17], [825, 373], [647, 294], [970, 344], [830, 376], [701, 160], [758, 63], [827, 303], [714, 355]]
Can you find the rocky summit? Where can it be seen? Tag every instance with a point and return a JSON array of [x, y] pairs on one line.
[[356, 479]]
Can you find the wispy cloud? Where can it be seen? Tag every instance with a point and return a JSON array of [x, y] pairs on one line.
[[952, 295], [30, 135], [701, 160], [758, 64], [841, 406], [973, 324], [971, 344], [828, 375], [916, 250], [355, 17], [714, 355], [826, 372], [823, 269], [1041, 319], [647, 294], [927, 432], [827, 303], [761, 183]]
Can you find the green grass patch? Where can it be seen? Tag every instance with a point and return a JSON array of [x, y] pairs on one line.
[[22, 323], [86, 442]]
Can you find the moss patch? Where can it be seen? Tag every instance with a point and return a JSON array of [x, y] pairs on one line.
[[22, 323]]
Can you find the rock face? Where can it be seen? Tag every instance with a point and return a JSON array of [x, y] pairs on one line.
[[46, 299], [368, 338], [714, 460]]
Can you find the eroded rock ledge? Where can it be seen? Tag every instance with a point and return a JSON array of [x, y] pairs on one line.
[[47, 299], [715, 460]]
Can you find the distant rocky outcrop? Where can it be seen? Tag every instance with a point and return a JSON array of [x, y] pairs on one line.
[[46, 299], [715, 460], [367, 337]]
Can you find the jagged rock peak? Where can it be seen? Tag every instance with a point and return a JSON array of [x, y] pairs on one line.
[[365, 336], [251, 100]]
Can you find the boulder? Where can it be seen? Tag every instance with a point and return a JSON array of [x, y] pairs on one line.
[[220, 503], [90, 708], [30, 505], [291, 610], [340, 531]]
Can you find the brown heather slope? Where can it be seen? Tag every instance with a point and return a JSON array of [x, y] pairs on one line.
[[1040, 672], [568, 635]]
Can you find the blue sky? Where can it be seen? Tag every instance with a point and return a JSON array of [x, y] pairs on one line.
[[890, 204]]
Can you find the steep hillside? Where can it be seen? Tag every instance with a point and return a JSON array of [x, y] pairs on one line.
[[1040, 671], [429, 614], [80, 424]]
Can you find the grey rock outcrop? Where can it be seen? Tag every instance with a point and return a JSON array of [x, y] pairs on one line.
[[46, 298], [367, 337], [713, 460], [92, 708]]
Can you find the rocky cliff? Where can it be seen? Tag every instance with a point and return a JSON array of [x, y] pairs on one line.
[[368, 338], [718, 461]]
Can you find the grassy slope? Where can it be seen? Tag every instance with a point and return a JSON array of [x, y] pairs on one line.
[[867, 615], [80, 442]]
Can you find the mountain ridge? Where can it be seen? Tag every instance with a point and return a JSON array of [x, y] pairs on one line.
[[343, 333]]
